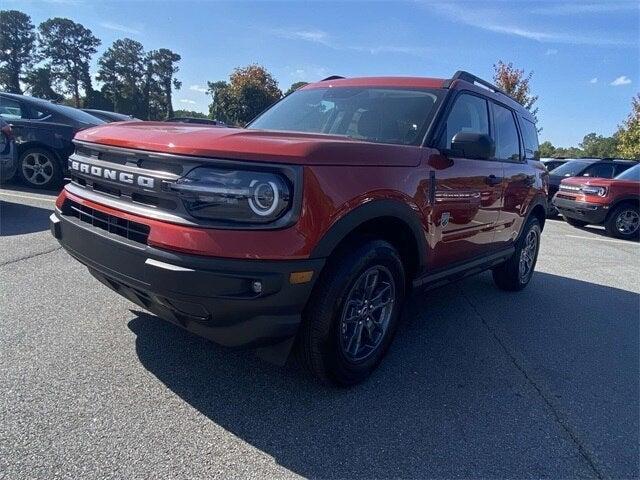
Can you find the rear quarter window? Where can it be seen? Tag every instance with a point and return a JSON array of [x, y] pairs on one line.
[[530, 138]]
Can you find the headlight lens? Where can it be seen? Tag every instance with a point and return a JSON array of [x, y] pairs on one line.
[[600, 191], [234, 196]]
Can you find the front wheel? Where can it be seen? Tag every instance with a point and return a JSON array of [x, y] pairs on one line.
[[39, 168], [515, 273], [624, 222], [352, 316]]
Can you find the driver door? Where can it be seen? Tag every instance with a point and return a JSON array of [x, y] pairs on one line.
[[468, 192]]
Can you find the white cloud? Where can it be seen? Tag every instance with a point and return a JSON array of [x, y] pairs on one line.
[[498, 21], [375, 50], [187, 101], [551, 51], [622, 80], [198, 88], [310, 35], [576, 8], [594, 80], [119, 28], [308, 73]]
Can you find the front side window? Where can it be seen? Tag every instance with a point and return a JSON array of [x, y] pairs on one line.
[[505, 134], [384, 115], [619, 168], [469, 114], [10, 109], [530, 139]]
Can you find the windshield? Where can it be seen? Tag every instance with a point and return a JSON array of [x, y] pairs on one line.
[[569, 169], [384, 115], [631, 174]]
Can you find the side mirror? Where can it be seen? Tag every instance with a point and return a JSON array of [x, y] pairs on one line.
[[473, 145]]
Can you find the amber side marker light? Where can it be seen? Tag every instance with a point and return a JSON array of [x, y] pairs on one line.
[[300, 277]]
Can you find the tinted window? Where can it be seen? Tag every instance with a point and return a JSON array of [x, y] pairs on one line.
[[384, 115], [620, 167], [599, 170], [530, 139], [630, 174], [469, 114], [10, 109], [505, 134], [75, 114], [570, 169]]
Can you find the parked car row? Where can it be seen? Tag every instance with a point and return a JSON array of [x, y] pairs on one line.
[[36, 138]]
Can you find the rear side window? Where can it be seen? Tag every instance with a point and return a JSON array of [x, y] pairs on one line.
[[505, 134], [620, 167], [599, 170], [469, 114], [10, 109], [530, 139]]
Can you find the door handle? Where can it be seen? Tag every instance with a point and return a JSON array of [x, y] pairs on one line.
[[493, 180]]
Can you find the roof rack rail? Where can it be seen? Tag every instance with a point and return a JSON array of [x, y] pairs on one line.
[[471, 78], [332, 77]]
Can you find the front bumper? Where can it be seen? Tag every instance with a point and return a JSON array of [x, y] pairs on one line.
[[212, 297], [591, 213]]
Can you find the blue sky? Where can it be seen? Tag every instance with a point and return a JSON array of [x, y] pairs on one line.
[[585, 55]]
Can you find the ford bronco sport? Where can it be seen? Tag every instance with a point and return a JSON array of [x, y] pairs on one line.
[[614, 203], [307, 229]]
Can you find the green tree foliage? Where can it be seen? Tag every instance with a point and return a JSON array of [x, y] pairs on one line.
[[547, 150], [40, 84], [594, 145], [164, 67], [67, 48], [250, 90], [120, 69], [629, 132], [189, 114], [17, 42], [515, 83], [295, 87]]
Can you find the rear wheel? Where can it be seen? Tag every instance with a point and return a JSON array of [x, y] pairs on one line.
[[574, 223], [624, 222], [515, 273], [353, 314], [39, 168]]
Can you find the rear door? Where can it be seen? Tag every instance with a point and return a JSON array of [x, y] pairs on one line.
[[468, 192], [519, 176]]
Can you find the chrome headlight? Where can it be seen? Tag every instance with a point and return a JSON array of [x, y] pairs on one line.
[[234, 196], [600, 191]]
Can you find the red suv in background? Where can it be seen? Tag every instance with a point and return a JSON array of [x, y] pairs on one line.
[[614, 203], [308, 227]]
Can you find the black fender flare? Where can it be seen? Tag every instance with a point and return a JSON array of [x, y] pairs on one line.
[[370, 211]]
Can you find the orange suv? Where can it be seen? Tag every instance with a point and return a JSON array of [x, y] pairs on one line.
[[613, 203]]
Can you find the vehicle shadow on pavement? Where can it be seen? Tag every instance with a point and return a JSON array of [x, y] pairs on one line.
[[18, 219], [449, 399]]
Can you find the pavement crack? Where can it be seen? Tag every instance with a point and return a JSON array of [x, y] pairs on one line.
[[16, 260], [545, 398]]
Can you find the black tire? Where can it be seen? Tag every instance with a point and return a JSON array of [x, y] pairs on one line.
[[508, 275], [614, 225], [552, 211], [575, 223], [321, 338], [49, 176]]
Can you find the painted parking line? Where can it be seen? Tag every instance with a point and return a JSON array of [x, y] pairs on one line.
[[28, 197], [609, 240]]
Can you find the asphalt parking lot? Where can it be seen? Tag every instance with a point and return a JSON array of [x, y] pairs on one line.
[[479, 383]]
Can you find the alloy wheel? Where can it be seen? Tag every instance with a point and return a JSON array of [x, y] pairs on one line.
[[528, 255], [37, 168], [628, 221], [367, 313]]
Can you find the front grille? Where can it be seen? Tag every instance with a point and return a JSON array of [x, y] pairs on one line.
[[134, 231]]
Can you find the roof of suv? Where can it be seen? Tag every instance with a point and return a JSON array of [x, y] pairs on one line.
[[459, 80]]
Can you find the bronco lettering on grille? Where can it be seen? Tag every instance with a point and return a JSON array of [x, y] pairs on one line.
[[112, 174]]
